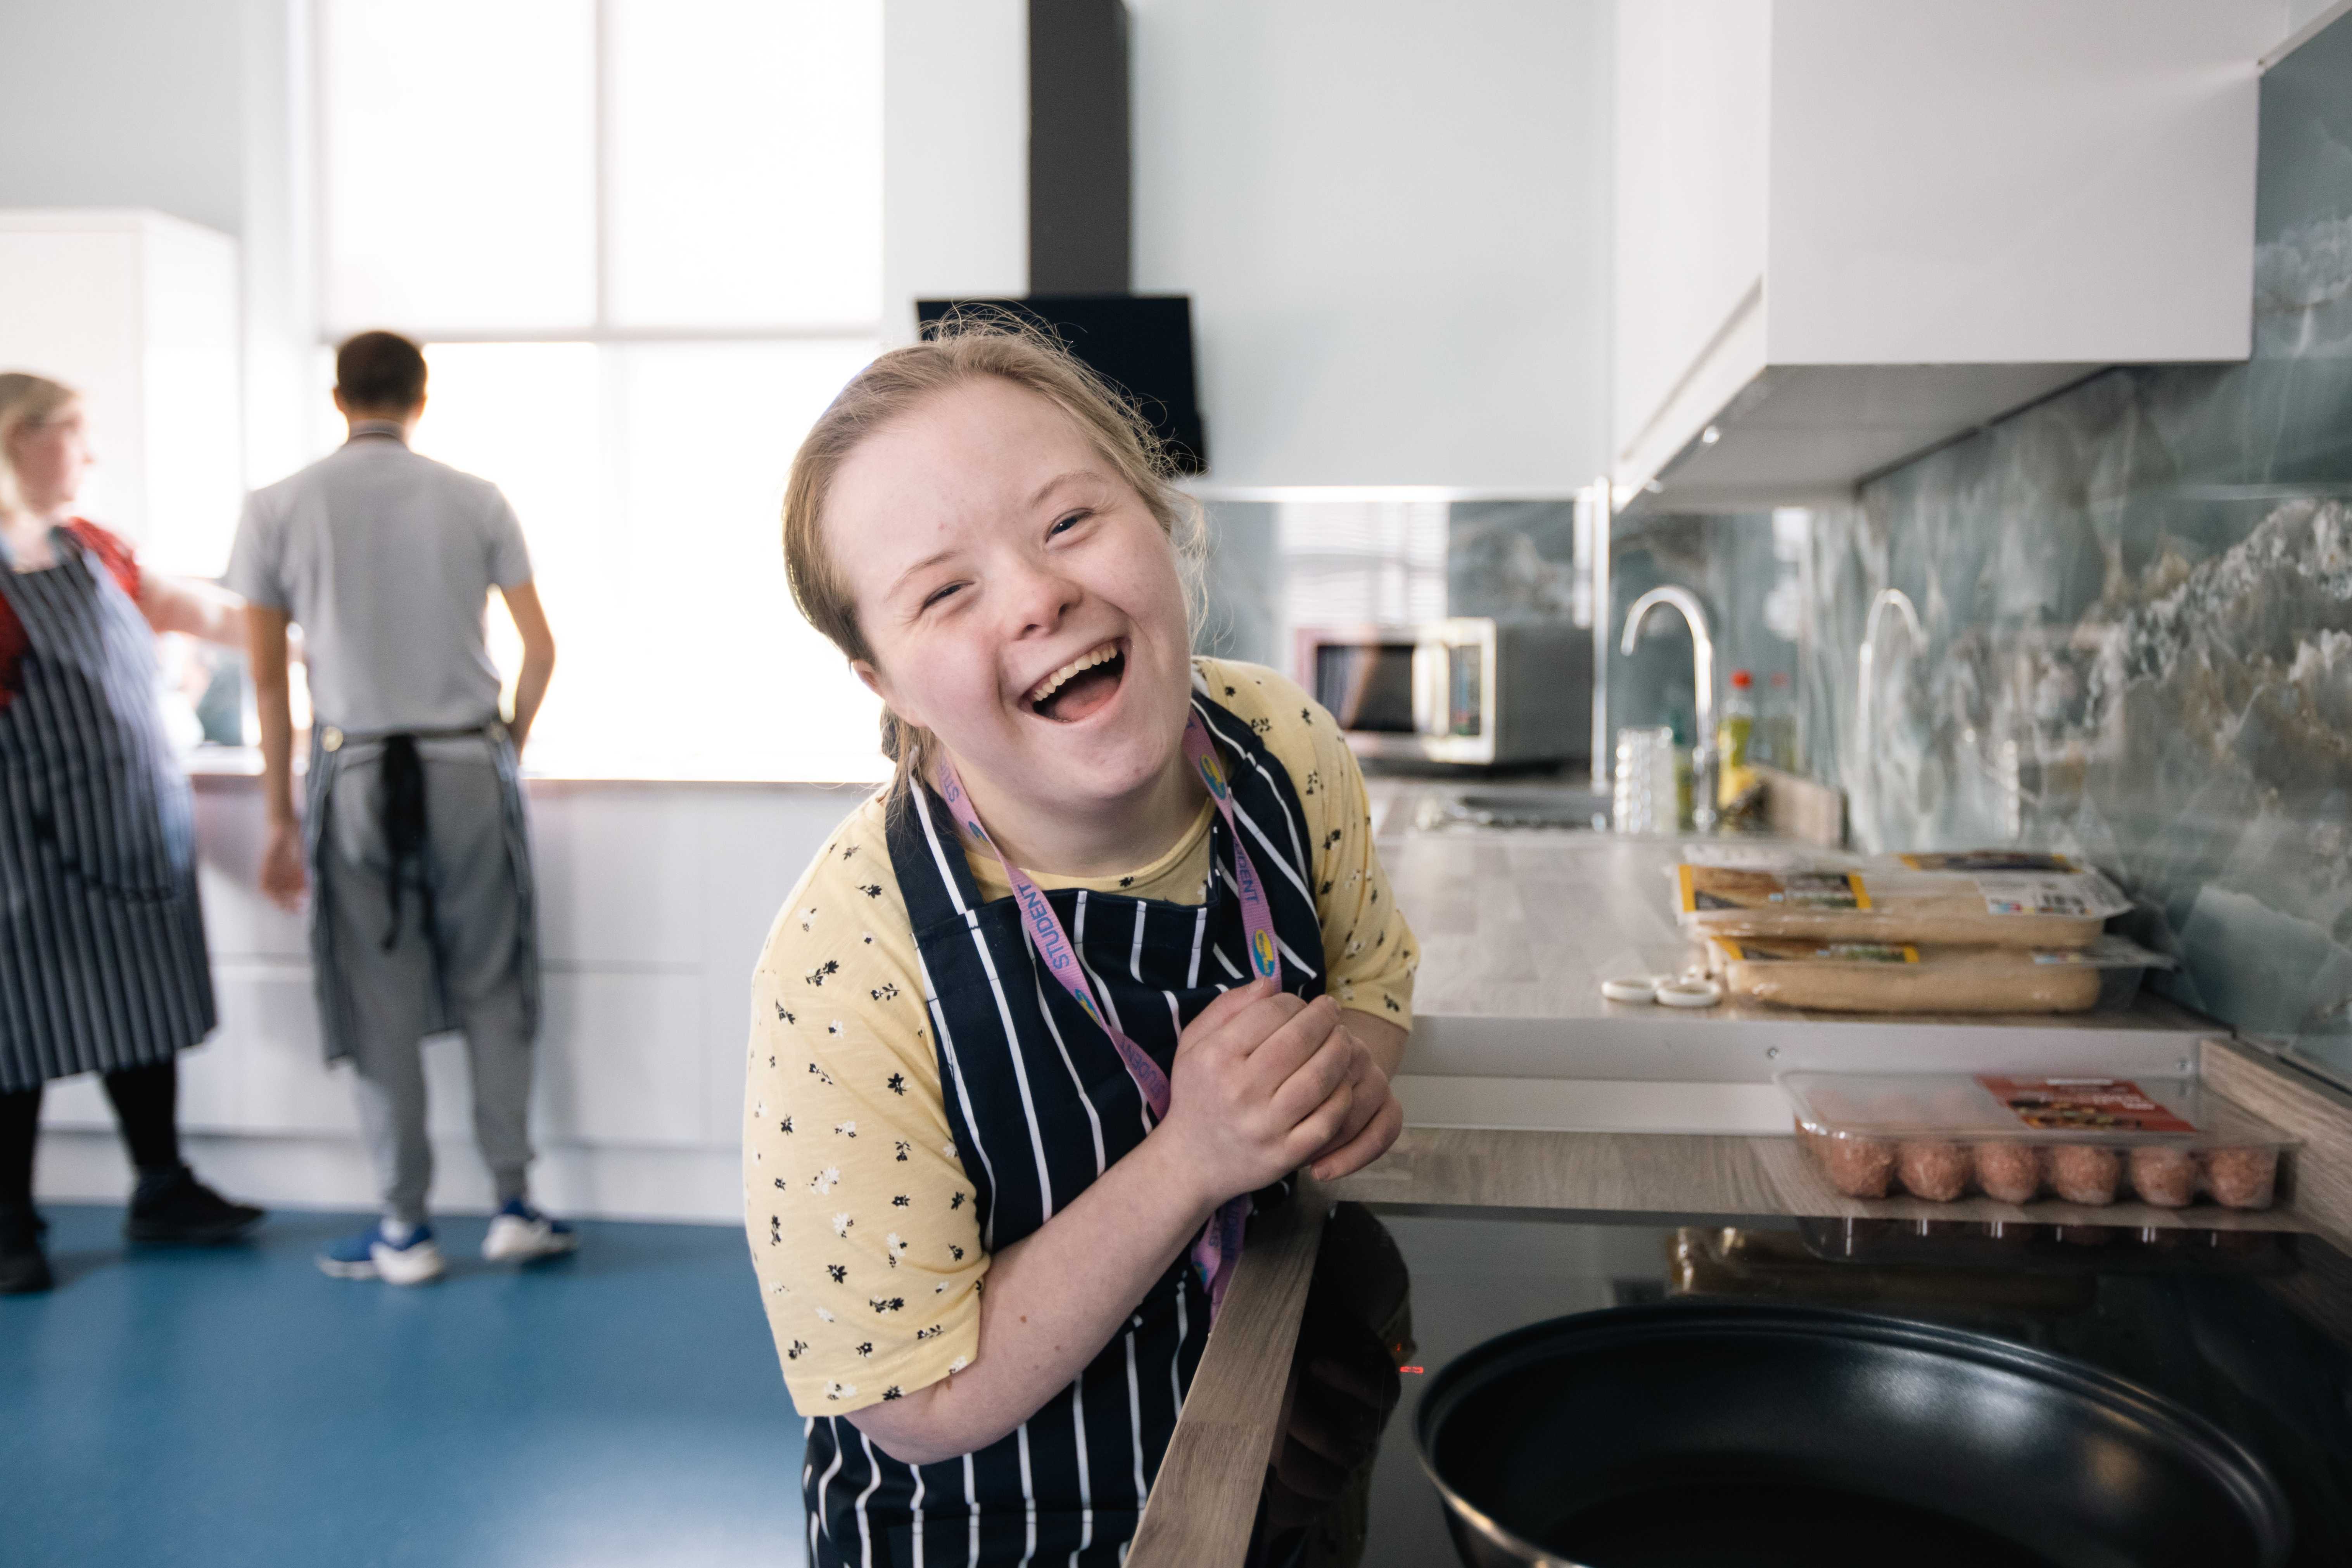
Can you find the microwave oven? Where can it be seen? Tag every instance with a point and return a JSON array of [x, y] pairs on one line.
[[1469, 690]]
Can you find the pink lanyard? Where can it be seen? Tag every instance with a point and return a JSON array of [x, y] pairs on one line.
[[1220, 1245]]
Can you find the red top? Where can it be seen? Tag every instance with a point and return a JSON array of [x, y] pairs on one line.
[[122, 563]]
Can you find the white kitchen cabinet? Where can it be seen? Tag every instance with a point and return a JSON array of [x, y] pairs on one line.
[[1848, 230], [140, 312]]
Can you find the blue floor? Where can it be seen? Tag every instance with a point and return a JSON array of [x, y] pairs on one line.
[[237, 1406]]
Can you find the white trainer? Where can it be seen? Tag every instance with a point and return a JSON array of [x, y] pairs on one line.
[[519, 1233], [370, 1255]]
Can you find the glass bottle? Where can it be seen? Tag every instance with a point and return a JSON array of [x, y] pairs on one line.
[[1734, 733]]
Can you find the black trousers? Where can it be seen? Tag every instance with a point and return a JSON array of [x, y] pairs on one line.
[[146, 1103]]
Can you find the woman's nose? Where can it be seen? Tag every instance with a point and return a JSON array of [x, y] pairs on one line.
[[1041, 598]]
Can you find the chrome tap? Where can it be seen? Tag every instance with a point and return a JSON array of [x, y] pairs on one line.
[[1703, 757], [1865, 696]]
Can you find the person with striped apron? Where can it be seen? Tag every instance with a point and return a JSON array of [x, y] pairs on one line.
[[412, 839], [103, 960], [1108, 960]]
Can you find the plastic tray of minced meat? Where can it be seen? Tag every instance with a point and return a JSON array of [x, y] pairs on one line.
[[2166, 1141]]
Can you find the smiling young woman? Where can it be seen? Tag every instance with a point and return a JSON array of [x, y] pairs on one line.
[[1112, 954]]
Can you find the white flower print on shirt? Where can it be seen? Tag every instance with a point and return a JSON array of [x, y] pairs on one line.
[[893, 1247], [824, 1181], [841, 1223], [839, 1390]]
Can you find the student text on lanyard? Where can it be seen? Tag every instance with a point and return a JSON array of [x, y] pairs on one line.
[[1220, 1247]]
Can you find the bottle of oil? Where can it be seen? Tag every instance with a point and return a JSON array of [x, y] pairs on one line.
[[1735, 732]]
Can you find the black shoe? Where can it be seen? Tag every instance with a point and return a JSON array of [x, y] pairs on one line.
[[23, 1268], [175, 1207]]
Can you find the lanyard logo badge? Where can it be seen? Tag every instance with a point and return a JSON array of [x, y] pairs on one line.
[[1212, 773], [1262, 951]]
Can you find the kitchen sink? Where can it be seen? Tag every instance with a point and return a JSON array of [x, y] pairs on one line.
[[1515, 810]]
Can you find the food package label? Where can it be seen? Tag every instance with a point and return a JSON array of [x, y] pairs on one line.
[[2082, 1104], [2110, 951], [1755, 950], [2033, 893], [1982, 861], [1722, 888]]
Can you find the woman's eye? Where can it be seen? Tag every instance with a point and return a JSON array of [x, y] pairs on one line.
[[940, 593], [1067, 523]]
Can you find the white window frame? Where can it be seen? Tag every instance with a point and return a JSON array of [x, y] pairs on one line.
[[602, 330]]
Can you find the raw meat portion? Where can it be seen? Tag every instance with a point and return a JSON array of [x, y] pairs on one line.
[[2084, 1172], [2242, 1178], [2008, 1171], [1937, 1172], [1858, 1167], [2163, 1175]]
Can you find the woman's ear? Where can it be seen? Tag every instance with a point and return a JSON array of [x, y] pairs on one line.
[[878, 683]]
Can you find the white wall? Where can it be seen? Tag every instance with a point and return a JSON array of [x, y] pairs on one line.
[[1393, 216], [125, 103], [187, 107], [955, 155]]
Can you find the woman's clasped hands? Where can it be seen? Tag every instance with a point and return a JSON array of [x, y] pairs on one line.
[[1264, 1083]]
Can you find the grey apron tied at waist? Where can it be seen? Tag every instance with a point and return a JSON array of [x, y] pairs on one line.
[[399, 803], [400, 807]]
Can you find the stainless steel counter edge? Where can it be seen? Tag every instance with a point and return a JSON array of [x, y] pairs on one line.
[[1752, 1046]]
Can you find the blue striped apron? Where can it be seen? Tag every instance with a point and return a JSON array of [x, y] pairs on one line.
[[1041, 1105], [102, 960]]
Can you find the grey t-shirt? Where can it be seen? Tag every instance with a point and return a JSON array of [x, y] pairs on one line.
[[386, 560]]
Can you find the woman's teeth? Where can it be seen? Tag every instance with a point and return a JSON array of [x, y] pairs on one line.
[[1084, 661]]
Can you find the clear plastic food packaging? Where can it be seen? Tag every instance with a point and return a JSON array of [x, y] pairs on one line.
[[1906, 977], [1973, 899], [2093, 1141]]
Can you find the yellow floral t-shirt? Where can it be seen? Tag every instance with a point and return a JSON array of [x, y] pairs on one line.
[[862, 1221]]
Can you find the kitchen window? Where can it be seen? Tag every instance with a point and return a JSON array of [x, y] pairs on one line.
[[1359, 563], [641, 241]]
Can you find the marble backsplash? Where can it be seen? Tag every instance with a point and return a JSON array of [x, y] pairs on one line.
[[2135, 607]]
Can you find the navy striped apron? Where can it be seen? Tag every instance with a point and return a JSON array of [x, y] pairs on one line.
[[1040, 1105], [103, 960]]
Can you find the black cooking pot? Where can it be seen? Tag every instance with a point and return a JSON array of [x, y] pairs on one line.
[[1705, 1433]]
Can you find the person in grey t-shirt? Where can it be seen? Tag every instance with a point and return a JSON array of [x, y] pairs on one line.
[[413, 830]]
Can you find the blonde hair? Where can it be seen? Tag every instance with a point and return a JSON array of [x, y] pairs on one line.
[[25, 399], [963, 348]]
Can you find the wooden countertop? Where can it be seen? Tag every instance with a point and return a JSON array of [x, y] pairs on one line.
[[1527, 925]]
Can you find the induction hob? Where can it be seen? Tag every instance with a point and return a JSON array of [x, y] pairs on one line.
[[2252, 1330]]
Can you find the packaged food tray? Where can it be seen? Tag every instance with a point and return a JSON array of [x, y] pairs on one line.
[[1908, 977], [1941, 1136], [1975, 899]]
